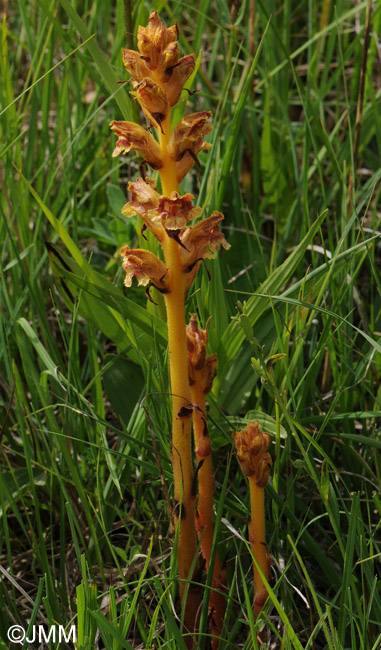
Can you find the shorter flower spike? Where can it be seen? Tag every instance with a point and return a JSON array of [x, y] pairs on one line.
[[133, 136], [202, 370], [146, 267], [252, 445]]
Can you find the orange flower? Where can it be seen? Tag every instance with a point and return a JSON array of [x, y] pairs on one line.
[[135, 65], [196, 343], [169, 212], [175, 77], [175, 211], [252, 445], [146, 267], [188, 133], [197, 359], [144, 200], [153, 101], [201, 242], [133, 136], [186, 141]]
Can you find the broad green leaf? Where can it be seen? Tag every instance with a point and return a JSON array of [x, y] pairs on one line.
[[116, 198], [14, 484], [230, 424], [124, 382]]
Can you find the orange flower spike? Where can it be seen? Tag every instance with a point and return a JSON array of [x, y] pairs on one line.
[[131, 136], [252, 445], [158, 76]]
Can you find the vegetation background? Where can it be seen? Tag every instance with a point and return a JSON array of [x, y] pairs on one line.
[[85, 483]]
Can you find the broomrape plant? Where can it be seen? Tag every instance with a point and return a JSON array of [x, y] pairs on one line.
[[158, 75]]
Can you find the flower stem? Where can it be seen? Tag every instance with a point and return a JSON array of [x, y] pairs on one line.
[[258, 543], [181, 425]]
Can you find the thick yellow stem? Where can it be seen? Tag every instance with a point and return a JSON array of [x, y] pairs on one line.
[[181, 425], [205, 474], [258, 543]]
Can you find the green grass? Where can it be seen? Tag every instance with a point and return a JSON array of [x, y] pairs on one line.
[[84, 503]]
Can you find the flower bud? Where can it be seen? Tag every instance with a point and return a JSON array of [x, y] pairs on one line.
[[263, 470], [204, 447], [208, 373], [154, 38], [196, 343], [206, 367]]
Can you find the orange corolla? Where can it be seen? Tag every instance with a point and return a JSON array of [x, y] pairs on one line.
[[146, 267], [131, 136], [201, 242], [153, 101], [157, 211]]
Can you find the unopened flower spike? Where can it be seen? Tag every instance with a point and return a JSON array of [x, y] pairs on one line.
[[252, 452], [202, 369]]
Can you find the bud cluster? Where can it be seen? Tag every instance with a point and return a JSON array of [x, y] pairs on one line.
[[252, 445]]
